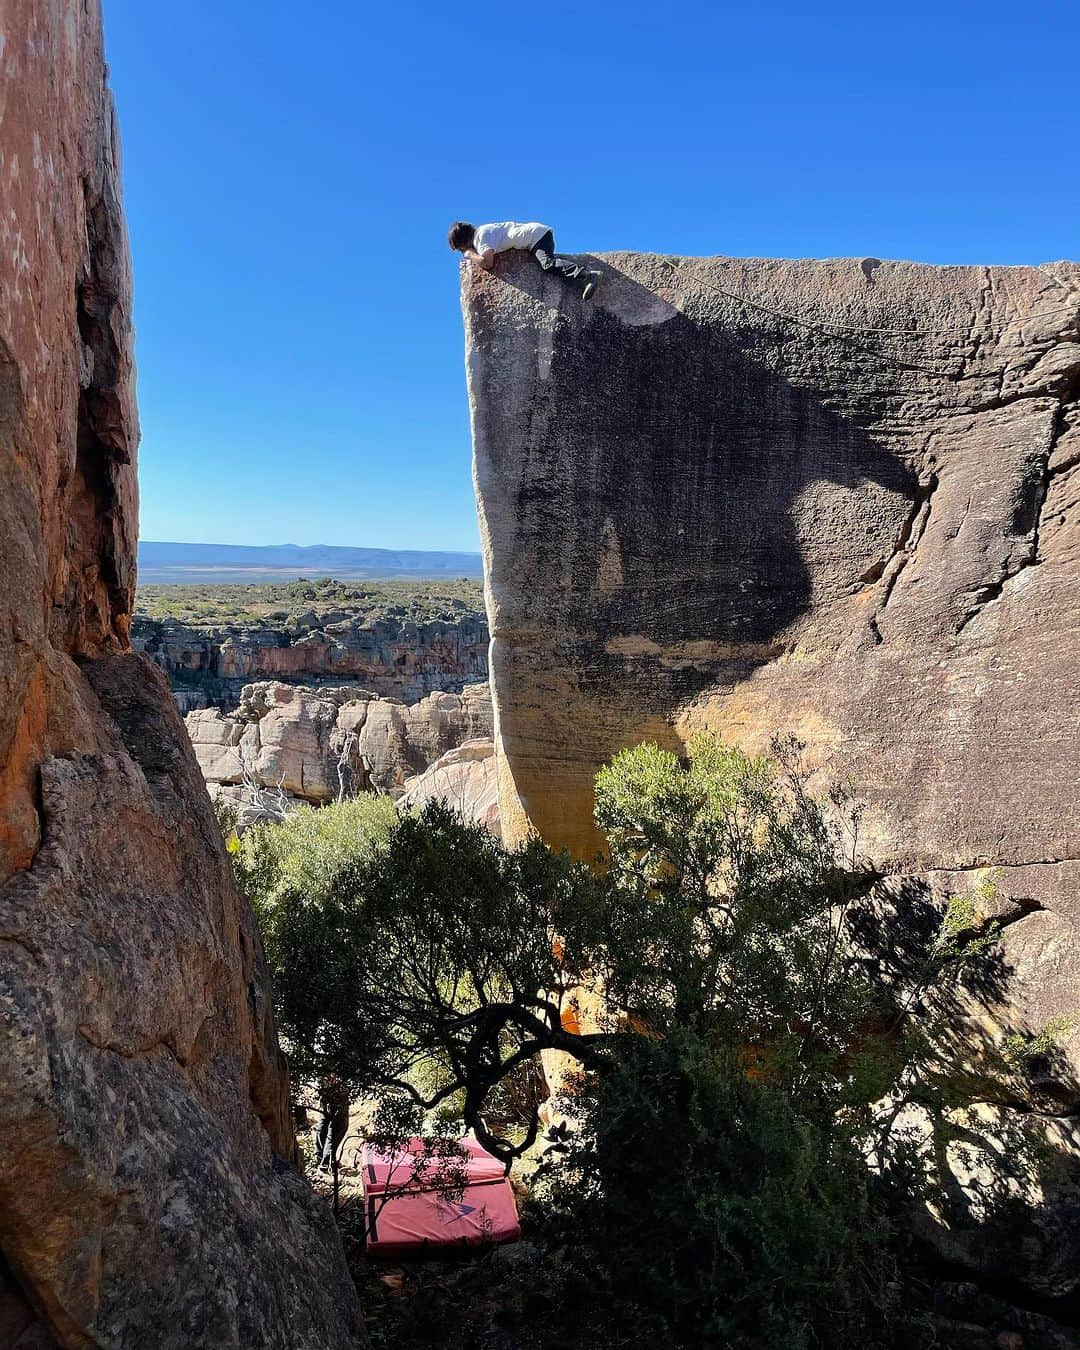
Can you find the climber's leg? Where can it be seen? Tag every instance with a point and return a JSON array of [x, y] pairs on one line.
[[544, 253]]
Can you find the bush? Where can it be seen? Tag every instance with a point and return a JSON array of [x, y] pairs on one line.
[[739, 1067], [304, 854], [696, 1207], [290, 871]]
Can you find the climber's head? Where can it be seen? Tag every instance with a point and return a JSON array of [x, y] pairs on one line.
[[461, 235]]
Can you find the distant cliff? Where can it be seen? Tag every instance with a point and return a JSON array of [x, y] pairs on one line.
[[216, 564], [840, 498], [403, 639]]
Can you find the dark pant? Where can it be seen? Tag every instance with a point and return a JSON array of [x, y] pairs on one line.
[[544, 253], [333, 1129]]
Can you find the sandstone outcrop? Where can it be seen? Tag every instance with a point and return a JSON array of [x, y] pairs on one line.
[[840, 498], [147, 1193], [317, 744], [465, 779], [395, 656]]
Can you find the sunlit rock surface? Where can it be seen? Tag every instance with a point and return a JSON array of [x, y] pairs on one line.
[[317, 745], [839, 498], [147, 1193], [464, 779]]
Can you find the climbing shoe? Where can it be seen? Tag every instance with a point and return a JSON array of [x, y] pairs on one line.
[[592, 280]]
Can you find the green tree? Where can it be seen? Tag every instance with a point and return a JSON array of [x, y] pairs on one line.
[[729, 888], [413, 960], [419, 960], [291, 872], [737, 1021]]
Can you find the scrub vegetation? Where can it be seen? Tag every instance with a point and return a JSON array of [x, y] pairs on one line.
[[273, 604], [752, 1107]]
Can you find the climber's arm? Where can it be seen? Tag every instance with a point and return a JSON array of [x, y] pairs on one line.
[[483, 260]]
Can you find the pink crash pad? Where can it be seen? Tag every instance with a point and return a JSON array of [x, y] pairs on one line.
[[418, 1217]]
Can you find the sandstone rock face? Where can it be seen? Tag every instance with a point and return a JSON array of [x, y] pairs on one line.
[[840, 498], [146, 1192], [699, 513], [464, 779], [396, 657], [316, 744]]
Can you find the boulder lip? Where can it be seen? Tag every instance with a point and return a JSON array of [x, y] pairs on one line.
[[506, 262]]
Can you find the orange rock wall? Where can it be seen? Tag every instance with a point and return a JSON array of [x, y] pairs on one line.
[[147, 1196]]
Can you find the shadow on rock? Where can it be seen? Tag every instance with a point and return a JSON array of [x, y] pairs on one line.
[[1003, 1175], [666, 487]]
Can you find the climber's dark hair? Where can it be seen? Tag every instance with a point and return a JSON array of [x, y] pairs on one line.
[[461, 235]]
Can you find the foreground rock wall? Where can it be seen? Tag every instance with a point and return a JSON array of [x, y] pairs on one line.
[[146, 1192], [840, 498]]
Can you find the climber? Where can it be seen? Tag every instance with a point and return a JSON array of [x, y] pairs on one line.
[[480, 243], [333, 1124]]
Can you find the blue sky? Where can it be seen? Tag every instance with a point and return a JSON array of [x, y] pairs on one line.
[[291, 170]]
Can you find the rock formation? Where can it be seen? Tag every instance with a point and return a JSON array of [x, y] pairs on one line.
[[147, 1195], [315, 744], [392, 655], [465, 779], [838, 498]]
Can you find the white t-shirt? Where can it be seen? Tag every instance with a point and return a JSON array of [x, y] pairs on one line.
[[504, 234]]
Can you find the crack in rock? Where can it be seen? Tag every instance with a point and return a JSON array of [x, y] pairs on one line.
[[132, 1052], [986, 595], [907, 541]]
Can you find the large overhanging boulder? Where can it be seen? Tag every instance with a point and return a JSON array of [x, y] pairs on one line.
[[147, 1189], [839, 498]]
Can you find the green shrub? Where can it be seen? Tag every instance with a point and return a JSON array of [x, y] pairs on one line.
[[290, 871], [695, 1207], [743, 1068]]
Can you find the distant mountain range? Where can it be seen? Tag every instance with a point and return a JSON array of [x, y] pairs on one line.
[[210, 564]]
